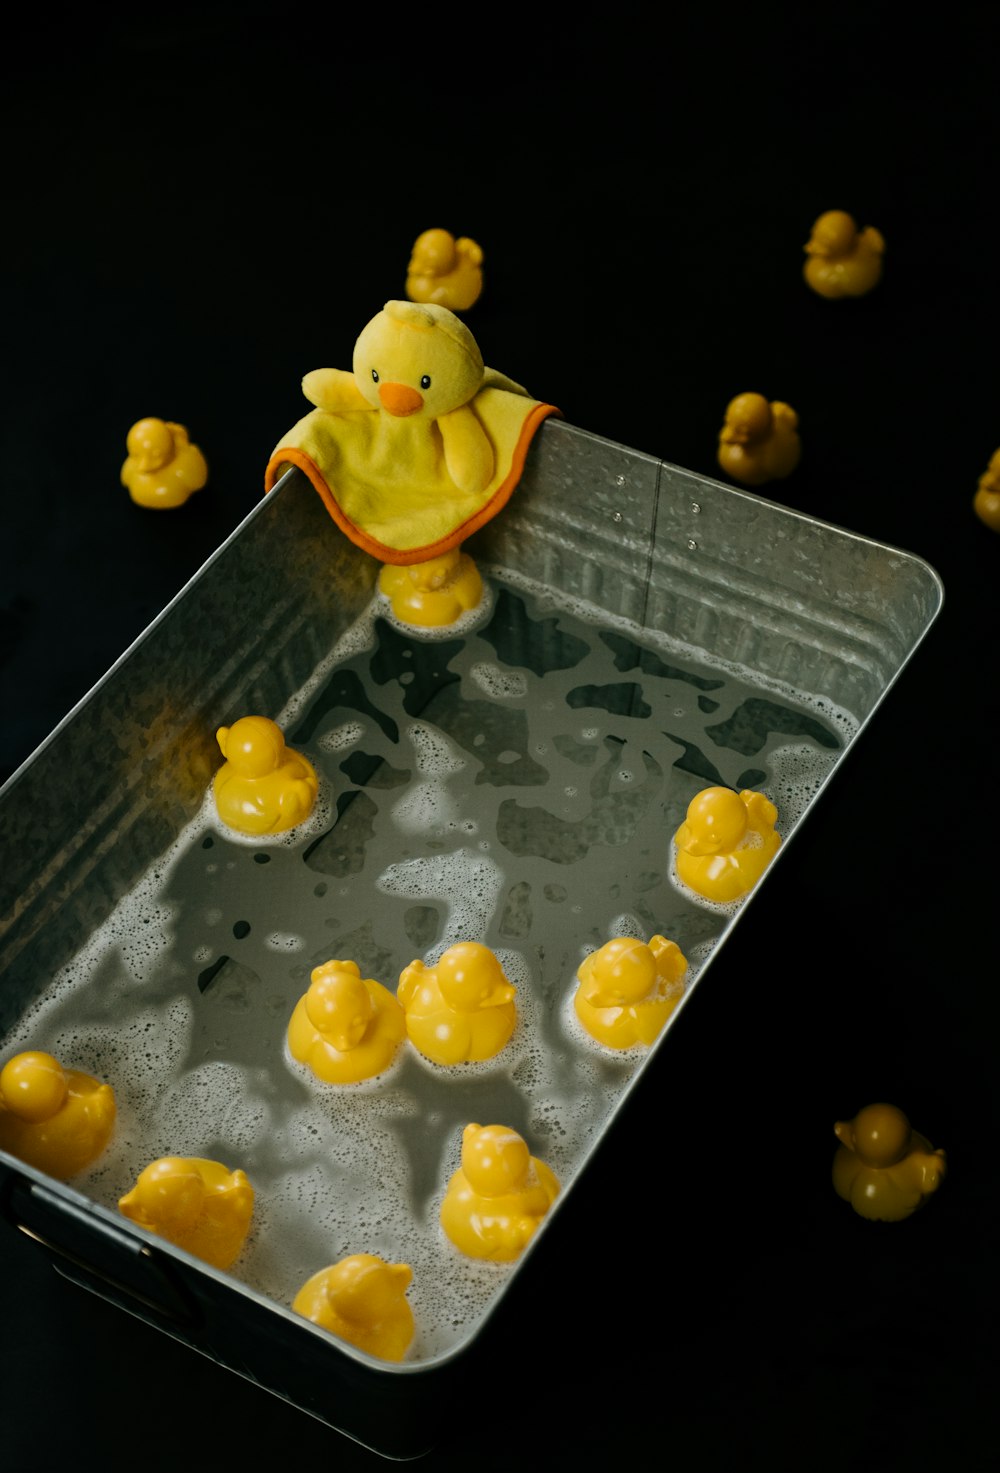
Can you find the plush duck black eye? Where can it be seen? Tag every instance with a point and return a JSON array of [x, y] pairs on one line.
[[374, 375], [425, 382]]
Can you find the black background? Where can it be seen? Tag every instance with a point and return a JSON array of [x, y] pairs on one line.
[[200, 206]]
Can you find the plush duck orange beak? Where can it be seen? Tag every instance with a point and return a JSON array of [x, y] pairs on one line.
[[400, 399]]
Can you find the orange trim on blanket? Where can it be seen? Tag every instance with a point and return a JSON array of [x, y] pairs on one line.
[[404, 557]]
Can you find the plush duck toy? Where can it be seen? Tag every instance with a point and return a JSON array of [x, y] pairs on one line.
[[56, 1119], [986, 502], [628, 990], [345, 1028], [444, 270], [498, 1197], [759, 441], [420, 444], [841, 260], [198, 1205], [362, 1299], [163, 468], [883, 1167], [263, 787], [460, 1011], [726, 842]]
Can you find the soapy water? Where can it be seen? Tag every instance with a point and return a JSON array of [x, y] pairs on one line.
[[518, 783]]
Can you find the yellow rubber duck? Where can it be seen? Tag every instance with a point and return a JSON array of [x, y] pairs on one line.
[[163, 468], [841, 260], [628, 990], [197, 1204], [460, 1011], [497, 1199], [986, 502], [759, 440], [362, 1299], [433, 593], [726, 842], [345, 1028], [263, 787], [56, 1119], [445, 270], [883, 1167]]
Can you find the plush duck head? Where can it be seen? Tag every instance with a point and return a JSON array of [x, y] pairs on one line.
[[339, 1005], [417, 358]]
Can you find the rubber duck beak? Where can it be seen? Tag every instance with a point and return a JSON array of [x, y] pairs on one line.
[[400, 399]]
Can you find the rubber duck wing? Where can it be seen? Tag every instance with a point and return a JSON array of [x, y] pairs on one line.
[[334, 389]]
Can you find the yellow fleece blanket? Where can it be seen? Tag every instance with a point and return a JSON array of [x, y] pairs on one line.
[[384, 480]]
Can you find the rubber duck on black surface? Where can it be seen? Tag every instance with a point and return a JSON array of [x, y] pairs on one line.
[[883, 1167], [759, 440], [841, 260], [446, 270], [986, 502], [163, 469]]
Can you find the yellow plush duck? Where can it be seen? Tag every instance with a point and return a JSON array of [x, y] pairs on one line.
[[986, 502], [420, 444], [460, 1011], [162, 468], [445, 270], [883, 1167], [362, 1299], [196, 1204], [841, 260], [726, 842], [499, 1196], [759, 440], [263, 787], [627, 990], [56, 1119], [346, 1027]]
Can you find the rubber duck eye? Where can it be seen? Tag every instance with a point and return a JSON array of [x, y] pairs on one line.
[[425, 382], [374, 375]]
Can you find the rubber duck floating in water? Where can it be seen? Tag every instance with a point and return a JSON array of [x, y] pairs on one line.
[[461, 1011], [163, 468], [419, 444], [499, 1196], [841, 260], [986, 502], [434, 593], [627, 990], [56, 1119], [196, 1204], [362, 1299], [883, 1167], [759, 440], [726, 842], [445, 270], [346, 1027], [263, 787]]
